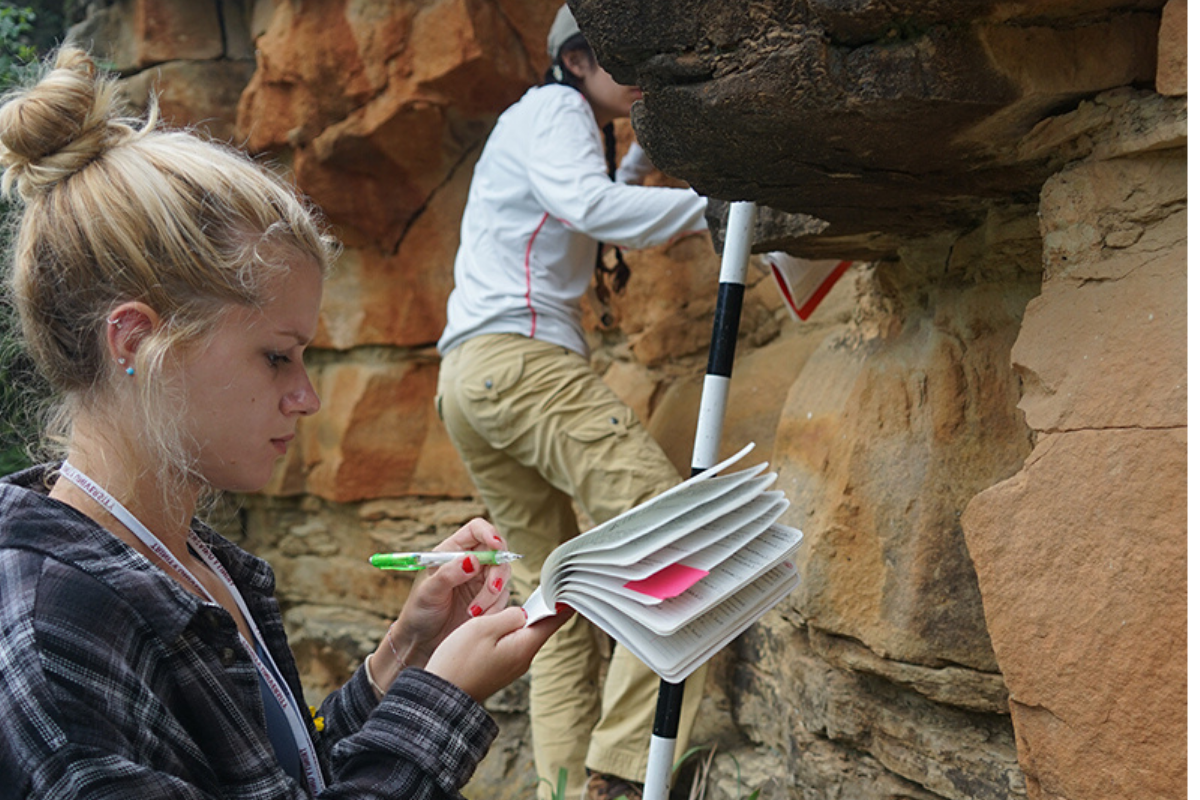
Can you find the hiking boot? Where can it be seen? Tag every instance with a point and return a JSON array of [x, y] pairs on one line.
[[600, 786]]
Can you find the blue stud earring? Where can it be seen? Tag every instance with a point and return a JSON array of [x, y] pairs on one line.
[[128, 370]]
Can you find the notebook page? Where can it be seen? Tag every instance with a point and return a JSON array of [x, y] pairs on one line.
[[616, 530], [678, 655], [728, 578], [655, 534]]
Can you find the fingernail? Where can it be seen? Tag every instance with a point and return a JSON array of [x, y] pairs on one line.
[[498, 584], [497, 540], [476, 611], [559, 608], [526, 613], [467, 565]]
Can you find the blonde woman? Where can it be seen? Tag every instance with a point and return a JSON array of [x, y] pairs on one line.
[[168, 288]]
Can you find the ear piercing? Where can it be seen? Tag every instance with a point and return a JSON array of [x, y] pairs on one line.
[[116, 322]]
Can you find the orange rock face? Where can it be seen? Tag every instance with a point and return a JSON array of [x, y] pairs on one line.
[[1082, 555], [380, 103]]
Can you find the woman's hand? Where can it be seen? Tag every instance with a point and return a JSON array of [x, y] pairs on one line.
[[441, 600], [486, 654]]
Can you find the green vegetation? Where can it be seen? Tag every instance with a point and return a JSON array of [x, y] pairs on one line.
[[558, 792], [17, 52], [18, 379]]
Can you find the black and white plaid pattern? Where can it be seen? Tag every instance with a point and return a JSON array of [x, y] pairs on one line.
[[117, 683]]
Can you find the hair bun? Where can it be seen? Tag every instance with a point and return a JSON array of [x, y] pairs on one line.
[[55, 128]]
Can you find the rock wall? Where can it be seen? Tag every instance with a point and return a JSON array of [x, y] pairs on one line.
[[982, 430], [1099, 591]]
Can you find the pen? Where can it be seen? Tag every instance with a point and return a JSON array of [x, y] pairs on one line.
[[415, 561]]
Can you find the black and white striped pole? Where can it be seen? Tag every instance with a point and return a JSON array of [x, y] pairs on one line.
[[739, 232]]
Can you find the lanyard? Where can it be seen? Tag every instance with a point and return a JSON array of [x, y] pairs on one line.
[[291, 710]]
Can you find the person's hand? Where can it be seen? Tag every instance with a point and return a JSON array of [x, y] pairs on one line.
[[486, 654], [442, 599]]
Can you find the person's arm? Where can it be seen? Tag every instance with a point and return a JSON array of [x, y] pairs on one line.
[[422, 740], [102, 701], [434, 731], [570, 178], [442, 599], [475, 647]]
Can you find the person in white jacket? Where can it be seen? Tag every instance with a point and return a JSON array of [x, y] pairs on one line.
[[536, 428]]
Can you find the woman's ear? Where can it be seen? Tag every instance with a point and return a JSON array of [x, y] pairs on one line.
[[127, 326], [578, 63]]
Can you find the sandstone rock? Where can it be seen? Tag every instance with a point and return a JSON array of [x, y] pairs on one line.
[[1099, 299], [839, 728], [880, 446], [1081, 561], [330, 643], [316, 67], [774, 229], [666, 310], [133, 34], [379, 297], [757, 394], [201, 95], [1172, 49], [1081, 555], [1116, 123], [382, 102], [964, 688], [377, 435]]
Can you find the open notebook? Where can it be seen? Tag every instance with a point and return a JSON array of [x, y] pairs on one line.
[[678, 577]]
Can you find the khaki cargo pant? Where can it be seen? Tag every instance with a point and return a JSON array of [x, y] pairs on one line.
[[536, 427]]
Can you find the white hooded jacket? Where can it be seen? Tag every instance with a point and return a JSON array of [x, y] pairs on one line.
[[539, 201]]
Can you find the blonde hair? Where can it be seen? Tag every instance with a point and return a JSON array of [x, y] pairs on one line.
[[118, 209]]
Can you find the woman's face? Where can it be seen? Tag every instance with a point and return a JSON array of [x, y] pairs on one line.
[[247, 386], [609, 99]]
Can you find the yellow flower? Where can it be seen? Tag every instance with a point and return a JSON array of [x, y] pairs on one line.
[[318, 722]]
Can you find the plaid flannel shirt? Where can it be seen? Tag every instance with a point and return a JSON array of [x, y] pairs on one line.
[[117, 683]]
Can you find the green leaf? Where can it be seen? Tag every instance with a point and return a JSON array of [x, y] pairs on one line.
[[18, 57], [558, 792]]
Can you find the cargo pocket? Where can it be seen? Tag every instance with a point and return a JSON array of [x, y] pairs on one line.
[[613, 463], [614, 424], [488, 398]]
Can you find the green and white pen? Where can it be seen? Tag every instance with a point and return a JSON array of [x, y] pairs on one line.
[[416, 561]]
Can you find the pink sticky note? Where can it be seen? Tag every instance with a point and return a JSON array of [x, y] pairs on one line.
[[668, 581]]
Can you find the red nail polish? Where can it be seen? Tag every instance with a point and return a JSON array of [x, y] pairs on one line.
[[499, 584], [467, 565], [476, 611], [497, 540], [560, 608], [526, 613]]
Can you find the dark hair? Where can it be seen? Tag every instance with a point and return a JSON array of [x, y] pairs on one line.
[[559, 74]]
